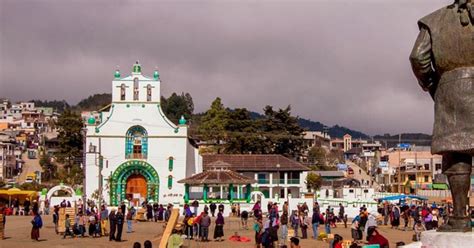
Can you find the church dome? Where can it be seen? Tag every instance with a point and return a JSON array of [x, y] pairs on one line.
[[91, 120]]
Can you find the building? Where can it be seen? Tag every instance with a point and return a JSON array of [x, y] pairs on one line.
[[347, 143], [418, 167], [133, 152], [317, 139], [275, 175]]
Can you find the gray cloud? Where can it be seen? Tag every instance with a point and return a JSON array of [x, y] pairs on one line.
[[339, 62]]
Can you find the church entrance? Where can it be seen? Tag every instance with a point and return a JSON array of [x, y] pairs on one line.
[[136, 190], [135, 181]]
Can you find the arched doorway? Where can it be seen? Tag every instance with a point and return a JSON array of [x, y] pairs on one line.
[[134, 179], [136, 190]]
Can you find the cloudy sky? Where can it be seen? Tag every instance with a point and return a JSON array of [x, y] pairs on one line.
[[338, 62]]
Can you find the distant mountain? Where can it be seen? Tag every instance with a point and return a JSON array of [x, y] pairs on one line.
[[335, 131], [94, 102]]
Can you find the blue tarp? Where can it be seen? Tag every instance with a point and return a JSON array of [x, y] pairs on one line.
[[402, 197], [342, 167]]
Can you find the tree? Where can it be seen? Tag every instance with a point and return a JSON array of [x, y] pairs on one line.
[[213, 123], [317, 156], [70, 139], [49, 168], [313, 181], [282, 132], [95, 102], [243, 133], [178, 105]]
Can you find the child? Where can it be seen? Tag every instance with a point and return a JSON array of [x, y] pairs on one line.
[[419, 228], [68, 231], [327, 224], [344, 219]]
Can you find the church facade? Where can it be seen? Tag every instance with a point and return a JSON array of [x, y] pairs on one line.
[[133, 151]]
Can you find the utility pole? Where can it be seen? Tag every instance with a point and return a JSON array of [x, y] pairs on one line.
[[101, 165], [399, 163], [84, 165]]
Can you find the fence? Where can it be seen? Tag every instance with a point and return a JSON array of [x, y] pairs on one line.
[[434, 193]]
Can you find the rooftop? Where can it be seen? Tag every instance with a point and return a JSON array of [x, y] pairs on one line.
[[254, 162], [218, 173]]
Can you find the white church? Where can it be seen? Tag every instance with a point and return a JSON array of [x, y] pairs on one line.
[[133, 152]]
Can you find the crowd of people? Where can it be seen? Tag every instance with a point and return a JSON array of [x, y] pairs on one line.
[[271, 230], [416, 217]]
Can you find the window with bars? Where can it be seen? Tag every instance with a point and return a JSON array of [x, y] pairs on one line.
[[170, 163], [136, 143], [122, 92], [135, 89], [170, 182], [148, 92]]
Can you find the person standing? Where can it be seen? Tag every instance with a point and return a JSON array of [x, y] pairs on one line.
[[37, 223], [220, 208], [195, 206], [295, 223], [244, 216], [315, 223], [104, 215], [304, 225], [219, 230], [341, 212], [26, 206], [213, 208], [205, 222], [284, 226], [130, 214], [113, 225], [395, 217], [123, 207], [56, 218], [120, 219]]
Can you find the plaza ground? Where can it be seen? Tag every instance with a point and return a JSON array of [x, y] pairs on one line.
[[18, 235]]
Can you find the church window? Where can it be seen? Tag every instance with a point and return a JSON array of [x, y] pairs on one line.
[[136, 143], [170, 182], [122, 92], [135, 89], [148, 93], [170, 163]]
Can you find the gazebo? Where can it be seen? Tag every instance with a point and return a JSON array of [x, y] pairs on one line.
[[218, 174]]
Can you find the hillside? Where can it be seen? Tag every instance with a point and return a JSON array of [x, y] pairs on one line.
[[98, 101]]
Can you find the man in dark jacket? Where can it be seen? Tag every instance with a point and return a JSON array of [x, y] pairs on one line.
[[120, 219], [113, 225], [213, 208]]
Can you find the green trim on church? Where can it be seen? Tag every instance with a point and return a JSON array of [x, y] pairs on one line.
[[118, 181]]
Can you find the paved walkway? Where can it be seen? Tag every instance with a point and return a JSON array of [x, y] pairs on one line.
[[18, 235]]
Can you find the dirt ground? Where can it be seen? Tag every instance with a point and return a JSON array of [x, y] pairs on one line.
[[18, 229]]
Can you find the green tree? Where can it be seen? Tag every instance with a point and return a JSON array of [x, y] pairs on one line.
[[243, 133], [176, 106], [213, 124], [70, 139], [317, 156], [49, 168], [282, 132], [313, 181]]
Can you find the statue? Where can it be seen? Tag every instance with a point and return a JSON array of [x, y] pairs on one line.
[[443, 62]]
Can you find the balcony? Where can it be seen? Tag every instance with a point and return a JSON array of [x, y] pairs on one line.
[[293, 181], [278, 181], [263, 181]]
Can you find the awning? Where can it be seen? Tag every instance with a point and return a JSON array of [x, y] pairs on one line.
[[440, 186]]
